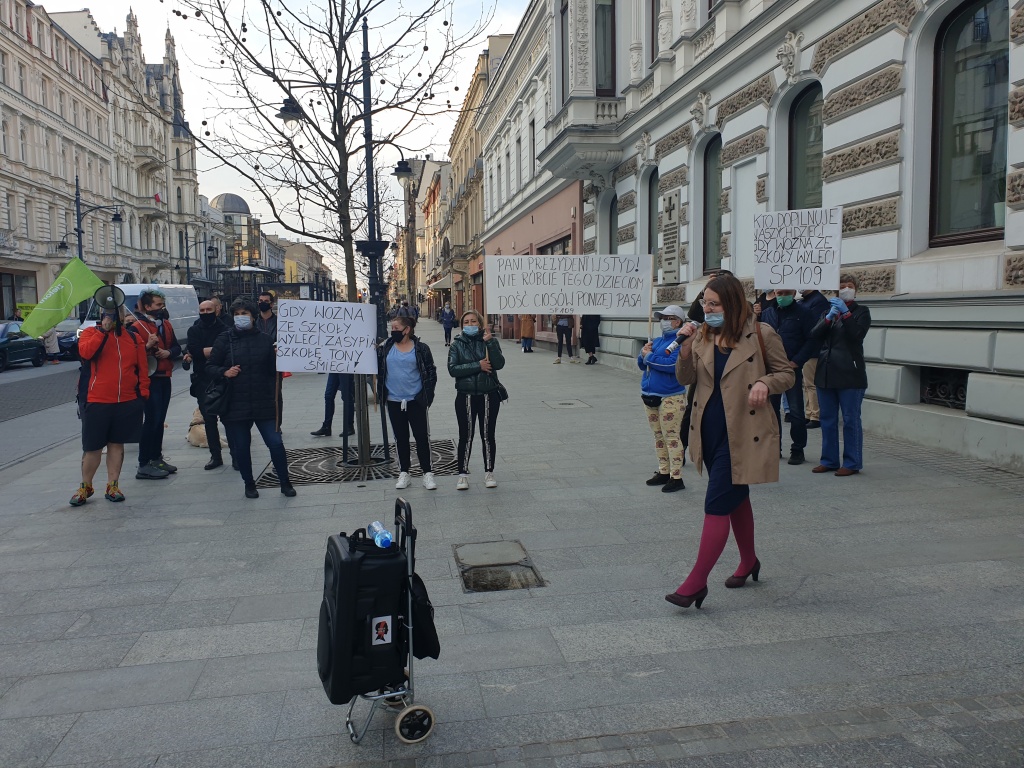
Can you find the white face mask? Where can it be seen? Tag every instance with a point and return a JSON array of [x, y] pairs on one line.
[[847, 294], [666, 326]]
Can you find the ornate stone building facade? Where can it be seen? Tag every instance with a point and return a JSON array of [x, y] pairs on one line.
[[904, 112]]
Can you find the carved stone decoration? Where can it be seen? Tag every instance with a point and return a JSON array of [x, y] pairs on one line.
[[876, 152], [636, 57], [684, 214], [679, 137], [870, 217], [1017, 26], [665, 25], [874, 280], [643, 154], [886, 12], [761, 190], [626, 202], [704, 43], [689, 12], [673, 294], [1015, 190], [589, 218], [590, 245], [788, 55], [723, 247], [581, 44], [724, 199], [589, 193], [752, 143], [872, 89], [701, 110], [761, 90], [627, 234], [1017, 107], [677, 177], [600, 181], [748, 288], [1013, 273], [669, 228], [628, 168]]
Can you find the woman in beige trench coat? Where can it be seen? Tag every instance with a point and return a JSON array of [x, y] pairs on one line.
[[736, 363]]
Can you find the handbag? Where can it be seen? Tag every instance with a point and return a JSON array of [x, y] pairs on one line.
[[218, 392], [499, 388]]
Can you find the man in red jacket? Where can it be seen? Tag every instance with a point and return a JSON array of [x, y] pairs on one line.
[[112, 412], [163, 349]]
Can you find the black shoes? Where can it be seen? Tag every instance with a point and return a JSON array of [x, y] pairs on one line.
[[659, 479], [591, 361], [673, 485], [796, 456], [324, 431], [287, 490], [813, 424], [734, 582], [234, 466], [251, 492], [214, 462], [685, 601], [151, 471], [348, 432]]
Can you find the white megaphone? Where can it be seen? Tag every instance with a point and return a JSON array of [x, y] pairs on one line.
[[110, 298]]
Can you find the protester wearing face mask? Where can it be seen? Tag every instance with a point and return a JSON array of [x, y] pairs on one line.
[[201, 336], [266, 321], [733, 364], [473, 360], [664, 399], [162, 349], [406, 379], [447, 322], [841, 379], [247, 358]]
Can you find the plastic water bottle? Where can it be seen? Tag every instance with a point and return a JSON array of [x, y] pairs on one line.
[[380, 535]]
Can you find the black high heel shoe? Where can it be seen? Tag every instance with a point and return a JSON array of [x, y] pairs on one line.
[[734, 582], [685, 601]]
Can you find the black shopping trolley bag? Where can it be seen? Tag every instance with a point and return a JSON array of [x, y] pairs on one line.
[[359, 644]]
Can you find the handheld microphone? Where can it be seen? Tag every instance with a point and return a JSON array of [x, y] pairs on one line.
[[675, 342]]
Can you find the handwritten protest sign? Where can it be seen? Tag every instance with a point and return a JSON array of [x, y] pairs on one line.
[[326, 337], [618, 285], [795, 250]]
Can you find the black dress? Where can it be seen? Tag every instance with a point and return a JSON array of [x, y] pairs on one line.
[[722, 497]]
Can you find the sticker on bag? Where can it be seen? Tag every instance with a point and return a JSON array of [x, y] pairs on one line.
[[381, 630]]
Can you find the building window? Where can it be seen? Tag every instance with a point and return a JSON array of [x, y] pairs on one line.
[[180, 208], [519, 163], [177, 159], [613, 225], [3, 68], [3, 131], [508, 176], [44, 93], [74, 112], [60, 103], [805, 149], [21, 78], [604, 47], [533, 146], [564, 34], [655, 8], [652, 214], [969, 127], [713, 205], [23, 141], [498, 196]]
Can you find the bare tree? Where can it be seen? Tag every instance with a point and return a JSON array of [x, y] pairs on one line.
[[311, 54]]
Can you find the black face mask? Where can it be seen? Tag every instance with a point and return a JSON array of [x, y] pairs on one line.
[[264, 306], [397, 336], [160, 314], [208, 319]]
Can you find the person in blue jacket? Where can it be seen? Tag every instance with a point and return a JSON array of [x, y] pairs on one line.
[[447, 322], [665, 398], [794, 322]]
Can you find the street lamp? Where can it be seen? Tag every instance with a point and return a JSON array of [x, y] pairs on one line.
[[211, 253], [80, 215], [404, 173]]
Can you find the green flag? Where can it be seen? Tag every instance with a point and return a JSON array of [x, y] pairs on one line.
[[75, 283]]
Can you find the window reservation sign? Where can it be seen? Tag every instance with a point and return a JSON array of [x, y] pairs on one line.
[[616, 284], [796, 250], [326, 337]]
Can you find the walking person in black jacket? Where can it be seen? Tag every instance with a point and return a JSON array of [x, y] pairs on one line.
[[841, 379], [201, 337], [407, 378], [248, 359]]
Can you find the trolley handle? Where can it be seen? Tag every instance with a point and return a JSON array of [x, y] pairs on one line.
[[405, 529]]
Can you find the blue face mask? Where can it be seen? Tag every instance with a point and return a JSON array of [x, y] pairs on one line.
[[470, 330], [243, 322], [714, 319]]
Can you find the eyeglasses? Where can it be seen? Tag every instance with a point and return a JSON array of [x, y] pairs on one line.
[[710, 304]]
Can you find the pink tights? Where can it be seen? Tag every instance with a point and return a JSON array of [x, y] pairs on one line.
[[712, 543]]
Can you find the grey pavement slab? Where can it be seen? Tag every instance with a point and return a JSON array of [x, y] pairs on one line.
[[180, 627]]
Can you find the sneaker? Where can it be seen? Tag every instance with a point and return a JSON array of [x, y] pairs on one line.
[[428, 481], [85, 490], [660, 478], [161, 464], [251, 492], [489, 481], [558, 361], [113, 493], [322, 432], [674, 484], [287, 490], [463, 484], [403, 480], [574, 360], [151, 472], [796, 456]]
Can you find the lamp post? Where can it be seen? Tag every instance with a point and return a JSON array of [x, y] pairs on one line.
[[81, 214], [407, 178], [211, 253]]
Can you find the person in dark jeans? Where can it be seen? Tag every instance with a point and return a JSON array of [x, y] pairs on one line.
[[345, 382], [246, 357], [162, 349], [563, 330], [201, 336]]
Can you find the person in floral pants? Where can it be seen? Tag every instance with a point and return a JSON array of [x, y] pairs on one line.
[[665, 399]]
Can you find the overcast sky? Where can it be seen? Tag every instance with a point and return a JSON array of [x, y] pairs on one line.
[[155, 17]]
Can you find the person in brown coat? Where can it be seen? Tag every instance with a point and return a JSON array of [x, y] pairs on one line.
[[736, 363], [527, 331]]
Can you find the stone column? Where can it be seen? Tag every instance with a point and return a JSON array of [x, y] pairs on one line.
[[636, 45]]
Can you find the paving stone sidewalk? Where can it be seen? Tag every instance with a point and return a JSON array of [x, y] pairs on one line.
[[179, 628]]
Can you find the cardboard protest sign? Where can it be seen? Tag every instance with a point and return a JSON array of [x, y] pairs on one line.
[[326, 337], [796, 250], [617, 285]]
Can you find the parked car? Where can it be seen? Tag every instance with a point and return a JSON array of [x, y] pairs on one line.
[[67, 338], [17, 347]]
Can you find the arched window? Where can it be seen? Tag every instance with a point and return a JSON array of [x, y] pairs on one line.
[[652, 214], [23, 140], [713, 205], [613, 225], [805, 149], [177, 159], [180, 209], [970, 124]]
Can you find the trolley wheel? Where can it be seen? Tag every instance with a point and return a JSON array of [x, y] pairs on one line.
[[414, 723]]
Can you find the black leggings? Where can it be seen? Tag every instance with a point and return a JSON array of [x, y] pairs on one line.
[[564, 331], [413, 417], [469, 410]]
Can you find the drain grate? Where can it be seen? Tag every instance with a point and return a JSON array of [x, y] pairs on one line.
[[308, 466], [495, 566], [558, 404]]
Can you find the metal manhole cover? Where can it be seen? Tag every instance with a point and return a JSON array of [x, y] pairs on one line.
[[557, 404], [494, 566], [307, 466]]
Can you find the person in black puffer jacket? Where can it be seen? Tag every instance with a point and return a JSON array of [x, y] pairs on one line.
[[248, 358], [474, 357], [841, 379], [201, 337]]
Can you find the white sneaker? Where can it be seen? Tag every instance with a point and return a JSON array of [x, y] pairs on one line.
[[463, 484], [428, 481], [558, 361], [403, 481], [489, 481], [574, 360]]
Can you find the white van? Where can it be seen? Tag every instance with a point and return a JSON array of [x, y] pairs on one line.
[[182, 305]]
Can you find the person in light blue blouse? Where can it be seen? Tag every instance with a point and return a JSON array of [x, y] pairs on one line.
[[665, 398]]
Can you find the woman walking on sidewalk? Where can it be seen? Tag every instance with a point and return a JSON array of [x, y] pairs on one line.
[[474, 357], [407, 380], [735, 363]]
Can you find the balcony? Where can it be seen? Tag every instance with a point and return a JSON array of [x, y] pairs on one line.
[[150, 157], [149, 208]]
